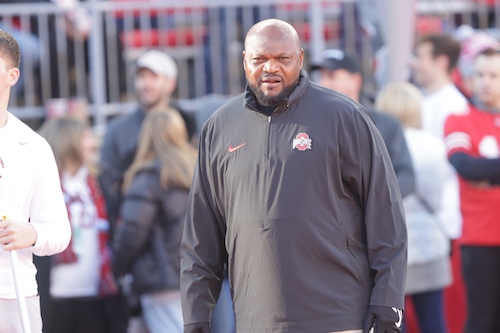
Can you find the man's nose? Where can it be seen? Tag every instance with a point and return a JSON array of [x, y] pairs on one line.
[[271, 66]]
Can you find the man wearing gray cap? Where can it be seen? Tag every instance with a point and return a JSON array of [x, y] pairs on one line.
[[155, 81], [340, 71]]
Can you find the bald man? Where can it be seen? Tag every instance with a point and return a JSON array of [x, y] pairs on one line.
[[294, 191]]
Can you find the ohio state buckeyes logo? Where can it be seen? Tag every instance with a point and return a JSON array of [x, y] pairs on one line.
[[302, 142]]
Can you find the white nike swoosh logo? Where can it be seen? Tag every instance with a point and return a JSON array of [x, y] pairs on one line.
[[400, 315], [22, 143]]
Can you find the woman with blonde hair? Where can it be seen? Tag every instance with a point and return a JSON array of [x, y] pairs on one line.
[[82, 286], [429, 269], [147, 239]]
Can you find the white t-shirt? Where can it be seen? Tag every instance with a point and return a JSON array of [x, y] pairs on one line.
[[80, 278], [436, 108]]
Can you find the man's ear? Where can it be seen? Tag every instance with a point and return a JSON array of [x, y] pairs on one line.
[[358, 77], [171, 86], [13, 76]]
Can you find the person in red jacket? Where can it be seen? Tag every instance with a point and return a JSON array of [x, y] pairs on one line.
[[473, 145]]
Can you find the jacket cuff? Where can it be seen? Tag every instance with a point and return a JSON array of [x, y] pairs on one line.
[[203, 327]]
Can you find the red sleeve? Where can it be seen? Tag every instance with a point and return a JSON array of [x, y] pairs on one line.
[[456, 135]]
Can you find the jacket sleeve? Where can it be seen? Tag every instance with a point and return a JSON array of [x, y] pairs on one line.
[[137, 214], [475, 168], [368, 172], [401, 161], [110, 175], [400, 156], [203, 252]]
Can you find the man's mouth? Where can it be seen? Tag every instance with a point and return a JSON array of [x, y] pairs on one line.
[[271, 82]]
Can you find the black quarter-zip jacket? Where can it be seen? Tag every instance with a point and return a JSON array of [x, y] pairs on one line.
[[304, 206]]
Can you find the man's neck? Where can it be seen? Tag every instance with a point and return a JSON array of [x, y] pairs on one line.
[[437, 85], [489, 107], [3, 118], [164, 104]]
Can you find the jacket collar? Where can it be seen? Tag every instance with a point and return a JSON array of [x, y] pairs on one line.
[[250, 101]]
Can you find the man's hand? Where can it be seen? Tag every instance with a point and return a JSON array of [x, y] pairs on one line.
[[481, 185], [15, 235], [384, 319]]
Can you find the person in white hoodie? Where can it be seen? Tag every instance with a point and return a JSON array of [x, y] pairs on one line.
[[34, 217], [429, 270]]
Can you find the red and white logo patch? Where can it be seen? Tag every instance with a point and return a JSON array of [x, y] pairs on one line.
[[302, 142]]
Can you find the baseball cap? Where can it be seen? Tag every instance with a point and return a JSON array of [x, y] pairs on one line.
[[158, 62], [334, 59], [472, 43]]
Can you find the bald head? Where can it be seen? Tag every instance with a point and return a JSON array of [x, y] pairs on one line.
[[272, 60], [273, 28]]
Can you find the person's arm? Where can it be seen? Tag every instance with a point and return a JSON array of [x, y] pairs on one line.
[[476, 168], [401, 161], [385, 228], [394, 139], [16, 235], [48, 214], [368, 172], [110, 175], [138, 213], [203, 252], [458, 144]]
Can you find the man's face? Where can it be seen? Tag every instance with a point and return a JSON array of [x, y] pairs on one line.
[[152, 90], [343, 81], [424, 65], [486, 80], [272, 66], [8, 76]]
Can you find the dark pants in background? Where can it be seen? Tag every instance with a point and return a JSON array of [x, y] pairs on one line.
[[429, 311], [481, 273]]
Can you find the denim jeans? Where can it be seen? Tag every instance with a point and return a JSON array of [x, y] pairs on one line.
[[162, 312], [223, 317], [429, 308]]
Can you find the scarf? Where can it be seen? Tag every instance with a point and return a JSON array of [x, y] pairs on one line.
[[107, 283]]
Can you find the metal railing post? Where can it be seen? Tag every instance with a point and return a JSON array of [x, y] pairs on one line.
[[97, 69], [317, 23]]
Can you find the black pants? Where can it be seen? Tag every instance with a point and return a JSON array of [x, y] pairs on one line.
[[481, 273], [87, 315]]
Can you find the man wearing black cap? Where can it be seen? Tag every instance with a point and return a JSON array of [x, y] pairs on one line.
[[340, 71]]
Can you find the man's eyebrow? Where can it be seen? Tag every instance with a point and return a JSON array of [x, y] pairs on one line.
[[267, 54]]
